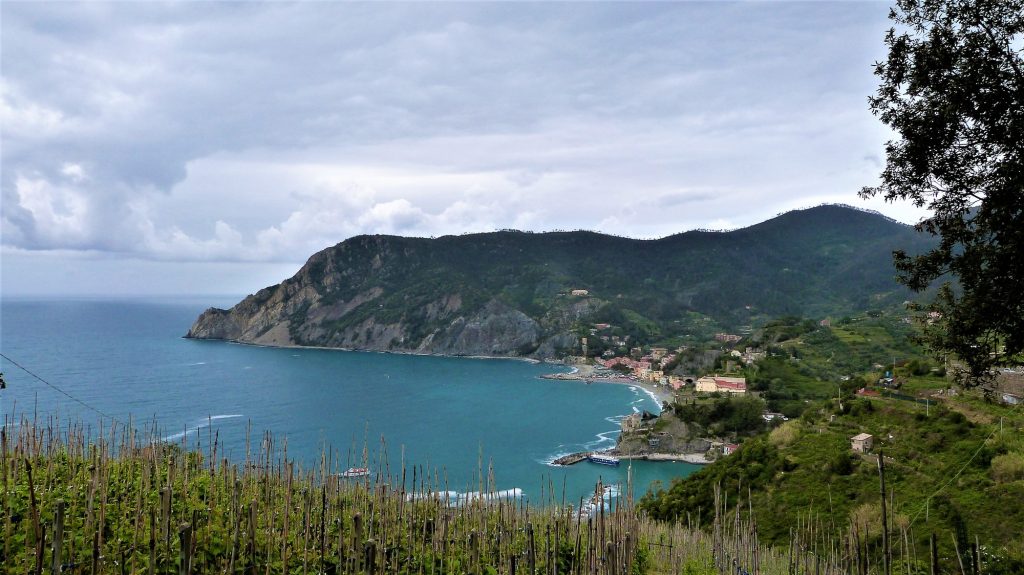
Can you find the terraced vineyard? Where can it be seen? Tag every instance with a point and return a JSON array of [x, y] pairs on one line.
[[121, 503]]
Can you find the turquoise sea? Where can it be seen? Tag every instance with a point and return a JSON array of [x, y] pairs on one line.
[[127, 359]]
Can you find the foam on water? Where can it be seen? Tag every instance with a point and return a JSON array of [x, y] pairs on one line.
[[206, 422], [654, 397], [604, 439]]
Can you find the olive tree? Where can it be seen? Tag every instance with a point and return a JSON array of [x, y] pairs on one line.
[[952, 89]]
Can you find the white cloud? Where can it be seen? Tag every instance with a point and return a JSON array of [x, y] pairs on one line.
[[251, 132], [60, 214], [22, 117], [74, 172]]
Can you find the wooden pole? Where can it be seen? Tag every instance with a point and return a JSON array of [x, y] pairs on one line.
[[934, 560], [959, 558], [165, 511], [58, 536], [975, 558], [370, 556], [185, 538], [886, 560], [531, 557]]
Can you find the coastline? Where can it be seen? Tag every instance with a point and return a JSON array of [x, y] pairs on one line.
[[660, 394], [577, 372], [531, 360], [691, 458]]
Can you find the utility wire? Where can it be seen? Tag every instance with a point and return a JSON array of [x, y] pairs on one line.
[[957, 474], [61, 391]]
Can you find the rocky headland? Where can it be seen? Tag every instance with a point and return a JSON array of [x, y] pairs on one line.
[[536, 295], [655, 438]]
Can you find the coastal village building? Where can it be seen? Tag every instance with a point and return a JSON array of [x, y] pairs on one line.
[[750, 355], [580, 292], [727, 337], [862, 442], [713, 383]]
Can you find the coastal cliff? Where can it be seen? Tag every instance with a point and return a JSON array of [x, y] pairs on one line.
[[644, 435], [518, 294], [348, 297]]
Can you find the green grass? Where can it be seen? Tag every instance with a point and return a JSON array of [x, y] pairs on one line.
[[939, 468]]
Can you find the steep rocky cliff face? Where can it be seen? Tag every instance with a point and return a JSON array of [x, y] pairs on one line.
[[330, 302], [493, 330]]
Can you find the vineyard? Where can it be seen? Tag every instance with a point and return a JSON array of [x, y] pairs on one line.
[[114, 500]]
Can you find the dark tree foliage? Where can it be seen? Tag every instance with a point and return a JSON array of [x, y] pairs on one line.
[[953, 89]]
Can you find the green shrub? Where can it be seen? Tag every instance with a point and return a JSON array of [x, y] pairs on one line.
[[1008, 467]]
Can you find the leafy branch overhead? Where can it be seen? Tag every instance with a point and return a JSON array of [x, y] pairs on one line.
[[952, 88]]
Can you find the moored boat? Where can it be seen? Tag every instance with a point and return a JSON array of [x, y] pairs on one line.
[[603, 459], [356, 472]]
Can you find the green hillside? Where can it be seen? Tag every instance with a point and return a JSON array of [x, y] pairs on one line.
[[954, 461], [828, 259], [395, 293]]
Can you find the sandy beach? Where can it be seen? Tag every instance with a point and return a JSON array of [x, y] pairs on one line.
[[694, 458], [586, 372]]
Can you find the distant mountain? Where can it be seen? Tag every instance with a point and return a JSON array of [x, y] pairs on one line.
[[511, 293]]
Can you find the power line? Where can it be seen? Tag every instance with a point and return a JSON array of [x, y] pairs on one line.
[[961, 470], [61, 391]]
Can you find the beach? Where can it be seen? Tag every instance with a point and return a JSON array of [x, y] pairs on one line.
[[694, 458], [586, 372]]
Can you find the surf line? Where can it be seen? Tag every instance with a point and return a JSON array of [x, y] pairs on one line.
[[206, 422]]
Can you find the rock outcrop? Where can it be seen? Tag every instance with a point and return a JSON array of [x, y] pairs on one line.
[[664, 434], [327, 304]]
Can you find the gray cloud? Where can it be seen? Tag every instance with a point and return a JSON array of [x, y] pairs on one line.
[[263, 132]]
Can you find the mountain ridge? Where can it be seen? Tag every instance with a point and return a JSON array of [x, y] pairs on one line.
[[510, 293]]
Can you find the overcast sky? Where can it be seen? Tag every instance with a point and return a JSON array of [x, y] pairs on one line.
[[212, 147]]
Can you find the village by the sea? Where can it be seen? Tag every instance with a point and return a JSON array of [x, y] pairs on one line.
[[458, 418]]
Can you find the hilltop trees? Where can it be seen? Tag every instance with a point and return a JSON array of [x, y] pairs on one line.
[[953, 90]]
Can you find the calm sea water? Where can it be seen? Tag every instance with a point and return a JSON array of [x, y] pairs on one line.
[[128, 359]]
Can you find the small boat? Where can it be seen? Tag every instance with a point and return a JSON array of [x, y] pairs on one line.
[[356, 472], [603, 459]]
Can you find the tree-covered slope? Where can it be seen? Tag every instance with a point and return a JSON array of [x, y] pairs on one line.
[[946, 473], [510, 293]]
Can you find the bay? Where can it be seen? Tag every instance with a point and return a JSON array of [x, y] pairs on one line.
[[457, 416]]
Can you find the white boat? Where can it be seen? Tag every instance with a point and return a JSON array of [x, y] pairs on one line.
[[603, 459], [356, 472]]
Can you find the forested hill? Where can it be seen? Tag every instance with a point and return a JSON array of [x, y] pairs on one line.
[[511, 293]]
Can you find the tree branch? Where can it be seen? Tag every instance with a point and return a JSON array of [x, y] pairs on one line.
[[1004, 46]]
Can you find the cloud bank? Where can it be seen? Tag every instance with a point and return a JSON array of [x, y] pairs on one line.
[[238, 132]]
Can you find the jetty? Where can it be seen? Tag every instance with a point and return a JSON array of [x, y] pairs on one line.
[[694, 458], [572, 458]]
